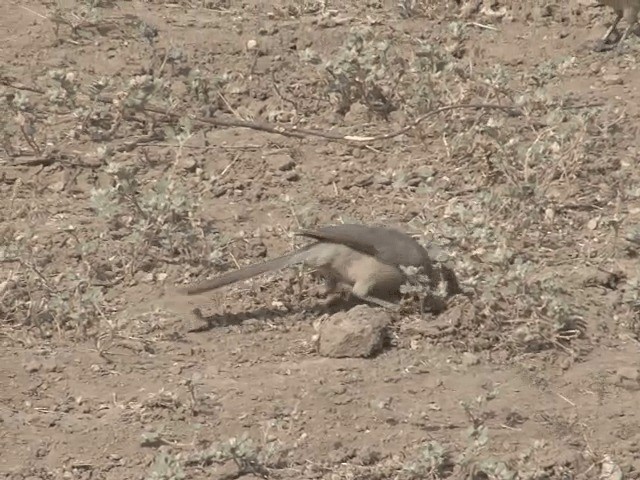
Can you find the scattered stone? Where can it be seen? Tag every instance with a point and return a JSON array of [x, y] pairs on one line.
[[470, 359], [51, 366], [188, 164], [33, 366], [610, 470], [356, 114], [342, 454], [593, 223], [57, 181], [369, 456], [292, 176], [363, 180], [566, 363], [57, 186], [628, 375], [360, 332], [416, 327], [612, 79], [282, 162]]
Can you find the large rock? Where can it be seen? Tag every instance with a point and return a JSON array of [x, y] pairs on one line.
[[359, 332]]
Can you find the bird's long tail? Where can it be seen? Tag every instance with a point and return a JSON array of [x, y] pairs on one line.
[[248, 272]]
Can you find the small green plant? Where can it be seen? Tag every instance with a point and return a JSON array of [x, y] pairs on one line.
[[433, 461], [474, 459], [31, 297], [385, 76], [412, 8], [160, 222], [248, 456], [166, 467], [360, 72]]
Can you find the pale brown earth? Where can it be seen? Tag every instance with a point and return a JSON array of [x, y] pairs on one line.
[[107, 374]]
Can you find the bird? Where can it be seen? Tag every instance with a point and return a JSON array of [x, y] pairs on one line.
[[629, 9], [365, 260]]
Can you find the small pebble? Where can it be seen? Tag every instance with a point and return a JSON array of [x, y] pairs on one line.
[[469, 359], [33, 366]]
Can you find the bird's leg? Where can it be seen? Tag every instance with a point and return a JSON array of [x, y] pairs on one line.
[[605, 43], [613, 28], [361, 290], [381, 303], [625, 34]]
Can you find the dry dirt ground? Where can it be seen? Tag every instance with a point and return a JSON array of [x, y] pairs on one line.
[[117, 185]]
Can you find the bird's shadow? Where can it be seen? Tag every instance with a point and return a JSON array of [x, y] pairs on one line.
[[330, 307], [221, 320]]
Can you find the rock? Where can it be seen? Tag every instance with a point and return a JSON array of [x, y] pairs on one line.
[[628, 376], [368, 456], [188, 164], [612, 80], [416, 327], [32, 366], [51, 366], [360, 332], [470, 359], [356, 114], [566, 363], [292, 176], [282, 162], [57, 186]]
